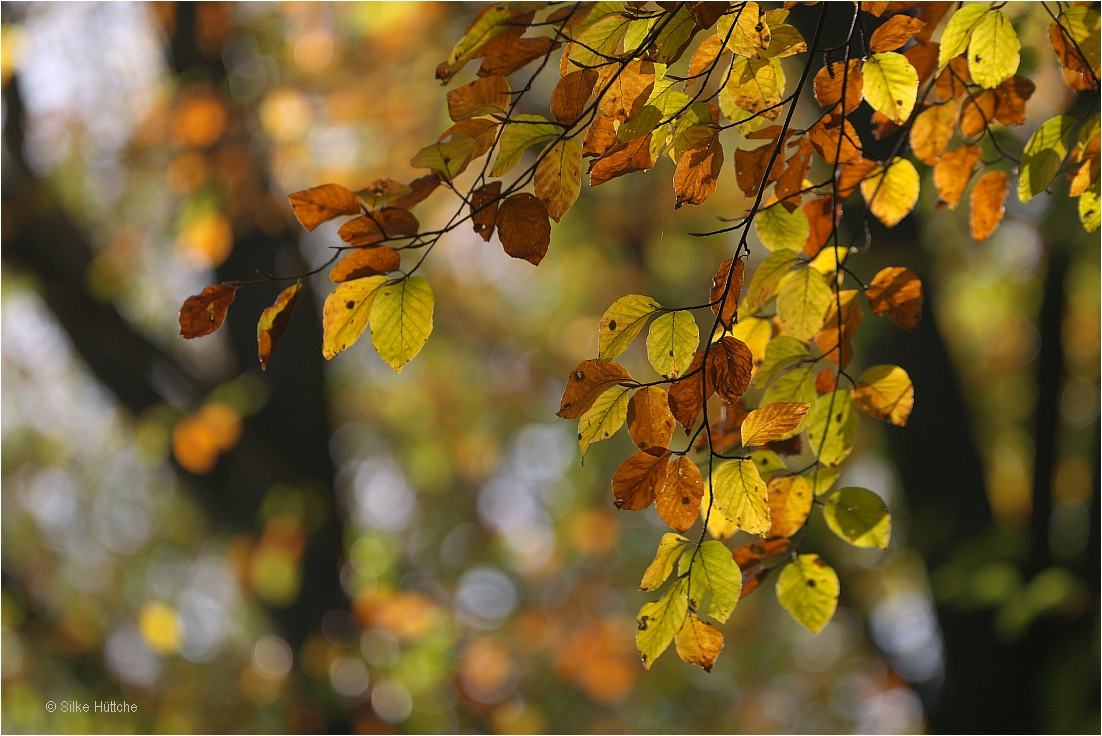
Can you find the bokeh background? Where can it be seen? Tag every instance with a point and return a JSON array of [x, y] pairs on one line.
[[333, 547]]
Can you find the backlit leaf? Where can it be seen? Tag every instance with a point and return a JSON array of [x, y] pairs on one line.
[[447, 157], [767, 462], [346, 312], [658, 622], [829, 81], [988, 203], [839, 327], [763, 285], [1010, 99], [378, 225], [698, 171], [669, 549], [796, 385], [712, 568], [507, 53], [808, 589], [932, 131], [273, 321], [317, 205], [750, 167], [719, 527], [688, 394], [741, 497], [520, 133], [733, 289], [780, 229], [625, 90], [784, 40], [484, 204], [835, 139], [705, 55], [679, 501], [482, 130], [698, 642], [750, 33], [885, 392], [204, 313], [1043, 155], [756, 84], [781, 352], [977, 113], [994, 51], [892, 192], [959, 31], [622, 323], [675, 36], [730, 367], [897, 292], [401, 320], [858, 516], [893, 34], [756, 333], [559, 177], [622, 158], [821, 478], [604, 418], [382, 191], [1090, 208], [772, 422], [569, 98], [672, 343], [790, 501], [586, 383], [487, 25], [421, 188], [523, 227], [954, 171], [650, 422], [890, 85], [640, 478], [803, 298], [598, 40], [833, 427], [484, 96], [364, 262], [792, 180]]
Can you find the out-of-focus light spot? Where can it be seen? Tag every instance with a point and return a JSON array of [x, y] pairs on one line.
[[391, 702], [892, 711], [161, 627], [276, 575], [407, 615], [272, 657], [285, 114], [594, 533], [516, 716], [872, 472], [487, 671], [369, 556], [199, 121], [1010, 482], [1079, 402], [130, 658], [52, 500], [206, 241], [484, 598], [198, 440], [380, 648], [314, 50], [381, 497], [904, 626], [187, 171], [348, 676]]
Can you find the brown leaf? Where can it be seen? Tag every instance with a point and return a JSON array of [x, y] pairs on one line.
[[377, 226], [790, 499], [750, 167], [523, 227], [923, 57], [977, 113], [1074, 66], [688, 394], [1010, 99], [730, 365], [874, 8], [624, 158], [893, 34], [484, 202], [988, 198], [640, 478], [898, 292], [571, 94], [705, 14], [821, 219], [953, 80], [586, 383], [650, 422], [726, 429], [851, 175], [825, 381], [825, 135], [953, 172], [931, 14], [830, 336], [772, 422], [422, 188], [828, 85], [791, 181], [719, 285], [751, 555], [625, 89], [484, 96], [320, 204], [559, 177], [204, 313], [698, 170], [364, 262], [932, 130], [883, 126], [600, 137], [679, 502], [705, 55], [506, 53], [273, 321]]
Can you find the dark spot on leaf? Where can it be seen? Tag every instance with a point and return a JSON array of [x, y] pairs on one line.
[[811, 583], [684, 499], [579, 376], [351, 304], [671, 353], [612, 324]]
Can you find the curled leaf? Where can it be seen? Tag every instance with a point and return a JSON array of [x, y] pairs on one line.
[[314, 206], [897, 292], [585, 383], [204, 313], [273, 321]]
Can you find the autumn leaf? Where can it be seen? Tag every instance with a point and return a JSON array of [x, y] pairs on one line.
[[958, 33], [488, 24], [314, 206], [484, 96], [893, 34], [780, 352], [446, 157], [892, 192], [885, 392], [571, 94], [420, 189], [772, 422], [830, 79], [378, 225], [832, 428], [559, 177], [994, 50], [364, 262], [706, 54], [507, 54], [620, 159], [897, 292], [521, 133], [346, 312], [753, 554], [650, 422], [750, 168], [803, 298], [688, 394], [484, 204], [523, 227], [741, 497], [890, 85], [698, 642], [658, 622], [1043, 155], [604, 418], [790, 502], [746, 30], [988, 203], [672, 343], [669, 549], [601, 136], [482, 130], [954, 171], [977, 113], [273, 321], [778, 228], [932, 131], [622, 322], [720, 286], [640, 478], [763, 285], [586, 383], [808, 589], [1010, 99], [698, 169], [850, 177], [756, 84], [835, 139], [204, 313], [625, 89], [858, 516], [401, 320], [791, 181], [382, 191], [730, 366], [679, 502]]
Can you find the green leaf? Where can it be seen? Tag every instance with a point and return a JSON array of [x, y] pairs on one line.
[[672, 343], [1043, 155], [740, 495], [446, 157], [674, 36], [763, 286], [995, 51], [780, 229], [858, 516], [833, 427], [520, 133], [780, 352], [669, 549], [767, 462], [599, 40], [604, 418], [796, 385], [803, 299], [959, 32], [1089, 208], [821, 478], [659, 621], [622, 323], [401, 320], [637, 33], [891, 85], [808, 589], [713, 568], [488, 25], [1081, 23]]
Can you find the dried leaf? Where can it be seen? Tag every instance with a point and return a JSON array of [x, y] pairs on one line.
[[837, 331], [650, 422], [1010, 99], [319, 204], [378, 225], [273, 321], [482, 130], [688, 394], [505, 54], [954, 171], [893, 34], [523, 227], [382, 191], [821, 216], [931, 132], [698, 642], [600, 137], [791, 181], [559, 177], [204, 313], [897, 292], [829, 80], [977, 112], [750, 168], [625, 89], [988, 203], [571, 94], [832, 144], [484, 204], [586, 382], [733, 291], [730, 366], [640, 478], [420, 189], [485, 96], [772, 422], [364, 262], [706, 54], [620, 159], [698, 171], [679, 502]]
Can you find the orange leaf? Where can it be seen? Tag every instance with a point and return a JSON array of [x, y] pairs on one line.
[[273, 321], [625, 89], [730, 365], [506, 53], [585, 385], [954, 171], [977, 112], [377, 226], [640, 478], [772, 422], [825, 135], [954, 79], [571, 94], [821, 220], [1010, 99], [825, 381], [422, 187], [988, 197], [705, 14], [792, 179], [204, 313], [483, 96], [365, 262], [706, 54], [483, 130], [484, 203], [650, 422], [851, 175], [750, 168], [923, 57], [524, 227], [790, 499], [688, 394], [757, 552], [624, 158], [828, 337], [828, 84], [679, 501], [893, 34], [897, 292], [932, 130], [320, 204], [719, 285], [601, 136], [698, 170]]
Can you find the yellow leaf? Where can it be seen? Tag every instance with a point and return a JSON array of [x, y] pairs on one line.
[[559, 177], [808, 589], [741, 497], [622, 322], [669, 549], [891, 85], [755, 333], [858, 516], [932, 131], [672, 343], [718, 527], [802, 302], [994, 51], [885, 392], [604, 418], [833, 427], [772, 422], [959, 31], [750, 33], [659, 621], [892, 192], [401, 320], [790, 500], [756, 84], [346, 313], [763, 285], [699, 642], [780, 229]]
